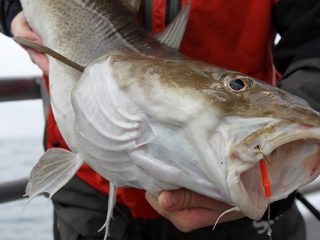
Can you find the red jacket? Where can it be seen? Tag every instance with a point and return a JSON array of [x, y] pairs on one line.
[[233, 34]]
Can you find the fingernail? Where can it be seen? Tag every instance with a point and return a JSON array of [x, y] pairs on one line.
[[167, 200]]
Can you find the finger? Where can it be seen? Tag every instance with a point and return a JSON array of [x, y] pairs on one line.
[[153, 201], [194, 218], [184, 198], [190, 219], [21, 28], [39, 59], [19, 24], [43, 63]]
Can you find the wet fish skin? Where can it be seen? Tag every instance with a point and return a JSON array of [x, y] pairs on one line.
[[189, 101], [146, 116]]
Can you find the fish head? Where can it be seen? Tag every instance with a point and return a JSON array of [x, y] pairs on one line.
[[228, 122], [238, 122], [262, 122]]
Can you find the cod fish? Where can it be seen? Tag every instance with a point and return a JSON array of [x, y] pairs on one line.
[[144, 115]]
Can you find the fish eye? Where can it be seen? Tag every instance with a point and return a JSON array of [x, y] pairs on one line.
[[237, 83]]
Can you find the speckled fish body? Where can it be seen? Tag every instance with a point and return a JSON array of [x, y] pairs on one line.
[[145, 116]]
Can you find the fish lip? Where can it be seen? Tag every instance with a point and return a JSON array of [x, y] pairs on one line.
[[240, 194], [303, 138], [294, 135]]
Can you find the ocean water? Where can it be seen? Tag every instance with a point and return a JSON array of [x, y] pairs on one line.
[[17, 157]]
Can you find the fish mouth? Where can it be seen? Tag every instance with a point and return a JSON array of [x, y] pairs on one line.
[[292, 159]]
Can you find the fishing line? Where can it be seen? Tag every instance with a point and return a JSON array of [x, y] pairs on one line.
[[308, 205], [269, 232], [267, 187], [267, 191]]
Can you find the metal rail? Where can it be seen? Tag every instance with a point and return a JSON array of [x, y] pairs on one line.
[[13, 190], [24, 88], [15, 89], [20, 89]]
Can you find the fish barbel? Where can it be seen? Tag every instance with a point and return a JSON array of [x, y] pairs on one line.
[[144, 115]]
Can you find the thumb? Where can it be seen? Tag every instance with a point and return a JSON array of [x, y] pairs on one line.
[[39, 59], [184, 199]]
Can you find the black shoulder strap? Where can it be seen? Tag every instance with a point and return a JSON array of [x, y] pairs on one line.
[[173, 7], [147, 14]]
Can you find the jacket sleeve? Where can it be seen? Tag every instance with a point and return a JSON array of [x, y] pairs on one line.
[[297, 58], [8, 10], [297, 55]]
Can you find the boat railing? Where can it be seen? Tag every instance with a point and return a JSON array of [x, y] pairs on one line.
[[16, 89], [12, 190], [24, 88]]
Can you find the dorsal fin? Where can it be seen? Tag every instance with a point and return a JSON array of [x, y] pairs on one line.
[[43, 49], [132, 5], [173, 34]]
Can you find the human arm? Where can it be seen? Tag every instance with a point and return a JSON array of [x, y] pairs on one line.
[[13, 23], [297, 55]]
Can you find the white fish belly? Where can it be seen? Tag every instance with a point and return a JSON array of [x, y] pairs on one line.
[[126, 145]]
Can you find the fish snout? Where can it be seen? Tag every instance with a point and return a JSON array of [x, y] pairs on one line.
[[277, 103]]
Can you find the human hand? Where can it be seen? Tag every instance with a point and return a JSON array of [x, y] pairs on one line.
[[188, 210], [21, 28]]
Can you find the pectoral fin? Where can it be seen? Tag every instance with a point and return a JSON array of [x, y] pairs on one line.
[[54, 169]]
